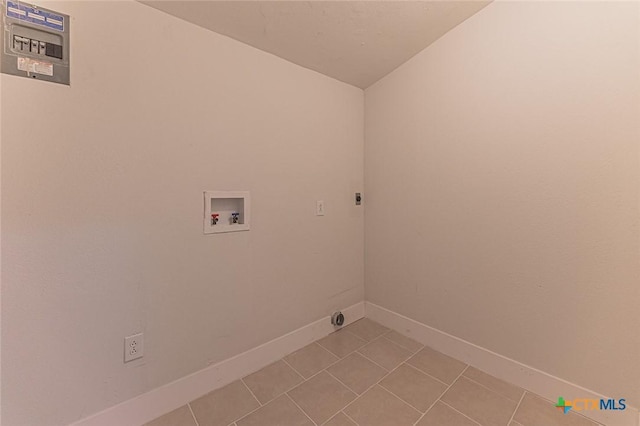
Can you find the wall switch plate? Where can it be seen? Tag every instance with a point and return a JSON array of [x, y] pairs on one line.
[[319, 208], [133, 347]]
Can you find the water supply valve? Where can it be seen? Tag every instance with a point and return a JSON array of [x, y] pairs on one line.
[[235, 217], [214, 218]]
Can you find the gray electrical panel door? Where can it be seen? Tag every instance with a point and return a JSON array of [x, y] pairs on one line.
[[35, 42]]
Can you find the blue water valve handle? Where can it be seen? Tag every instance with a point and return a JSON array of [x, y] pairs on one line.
[[235, 217]]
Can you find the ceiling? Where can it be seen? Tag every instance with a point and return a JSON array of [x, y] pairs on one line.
[[357, 42]]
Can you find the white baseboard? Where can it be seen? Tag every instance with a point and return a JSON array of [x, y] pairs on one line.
[[164, 399], [157, 402], [529, 378]]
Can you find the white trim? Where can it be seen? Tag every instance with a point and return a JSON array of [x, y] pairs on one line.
[[529, 378], [169, 397]]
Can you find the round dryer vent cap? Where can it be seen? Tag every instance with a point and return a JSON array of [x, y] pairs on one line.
[[337, 319]]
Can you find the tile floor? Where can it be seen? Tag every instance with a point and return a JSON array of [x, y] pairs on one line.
[[368, 375]]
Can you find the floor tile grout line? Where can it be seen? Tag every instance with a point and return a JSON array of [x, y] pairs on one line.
[[369, 359], [402, 346], [369, 388], [401, 399], [459, 412], [329, 419], [304, 379], [251, 392], [517, 406], [401, 362], [324, 349], [328, 366], [345, 385], [315, 374], [249, 413], [326, 369], [429, 375], [438, 399], [373, 339], [301, 409], [491, 390], [339, 357], [294, 370], [278, 395], [404, 361], [382, 336], [442, 394], [192, 414], [351, 333], [296, 385], [260, 405], [338, 360], [388, 373], [362, 338], [349, 417], [345, 328], [334, 416]]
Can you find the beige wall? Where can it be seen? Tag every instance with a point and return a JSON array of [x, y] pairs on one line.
[[503, 205], [102, 209], [502, 175]]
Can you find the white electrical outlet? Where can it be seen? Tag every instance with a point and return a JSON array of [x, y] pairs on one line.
[[319, 208], [133, 347]]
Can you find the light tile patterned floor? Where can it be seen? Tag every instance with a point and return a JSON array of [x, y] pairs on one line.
[[368, 375]]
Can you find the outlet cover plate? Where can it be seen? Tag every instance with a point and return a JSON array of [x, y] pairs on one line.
[[133, 347]]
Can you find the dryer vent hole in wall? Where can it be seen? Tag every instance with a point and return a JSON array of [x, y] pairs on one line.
[[337, 319]]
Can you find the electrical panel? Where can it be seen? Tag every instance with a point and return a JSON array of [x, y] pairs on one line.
[[35, 42]]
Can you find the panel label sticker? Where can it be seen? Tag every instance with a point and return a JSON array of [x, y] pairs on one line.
[[28, 13], [35, 67]]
